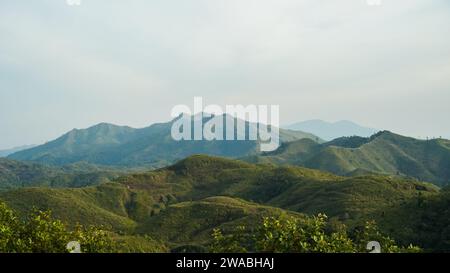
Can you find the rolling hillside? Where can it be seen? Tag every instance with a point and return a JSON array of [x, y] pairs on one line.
[[107, 144], [182, 203], [383, 153], [194, 221], [99, 206]]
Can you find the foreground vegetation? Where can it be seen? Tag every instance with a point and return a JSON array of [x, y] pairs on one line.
[[316, 234], [40, 233]]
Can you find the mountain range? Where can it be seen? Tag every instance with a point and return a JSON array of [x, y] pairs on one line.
[[112, 145], [121, 147], [382, 153], [332, 130]]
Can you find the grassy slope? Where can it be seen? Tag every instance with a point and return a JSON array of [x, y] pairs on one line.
[[181, 204], [423, 221], [384, 153], [102, 205], [193, 221]]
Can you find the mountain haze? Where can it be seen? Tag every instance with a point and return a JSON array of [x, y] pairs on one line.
[[5, 153], [107, 144], [332, 130]]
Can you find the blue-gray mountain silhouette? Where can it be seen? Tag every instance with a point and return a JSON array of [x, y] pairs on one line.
[[332, 130], [108, 144]]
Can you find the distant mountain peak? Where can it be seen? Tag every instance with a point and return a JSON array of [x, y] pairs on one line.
[[332, 130], [345, 122], [104, 125]]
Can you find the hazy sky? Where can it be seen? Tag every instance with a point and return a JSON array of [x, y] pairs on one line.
[[130, 62]]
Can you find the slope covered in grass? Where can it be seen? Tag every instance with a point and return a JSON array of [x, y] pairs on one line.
[[383, 153], [193, 221], [293, 188], [182, 203], [423, 221], [100, 206]]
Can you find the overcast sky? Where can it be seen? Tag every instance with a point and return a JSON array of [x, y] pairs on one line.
[[130, 62]]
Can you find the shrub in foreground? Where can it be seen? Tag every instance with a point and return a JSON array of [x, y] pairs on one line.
[[40, 233], [316, 234]]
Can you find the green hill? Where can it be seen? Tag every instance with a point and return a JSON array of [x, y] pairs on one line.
[[182, 203], [107, 144], [383, 153]]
